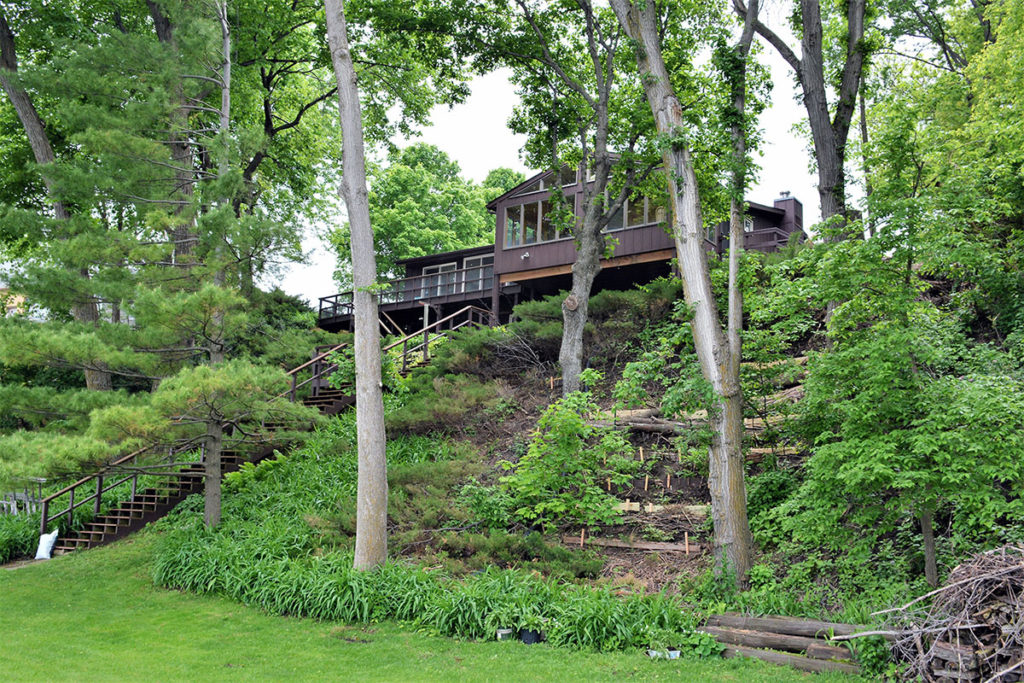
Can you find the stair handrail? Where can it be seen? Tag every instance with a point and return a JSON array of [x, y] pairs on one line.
[[468, 311], [294, 373], [45, 517]]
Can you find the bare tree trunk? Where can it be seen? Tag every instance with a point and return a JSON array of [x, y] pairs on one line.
[[931, 569], [372, 493], [728, 493], [829, 133], [590, 248], [85, 311], [212, 472]]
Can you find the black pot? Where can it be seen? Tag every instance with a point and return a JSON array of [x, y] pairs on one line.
[[530, 637]]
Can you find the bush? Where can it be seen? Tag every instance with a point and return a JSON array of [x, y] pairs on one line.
[[18, 536], [568, 462]]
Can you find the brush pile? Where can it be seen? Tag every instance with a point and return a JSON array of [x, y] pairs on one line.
[[971, 629]]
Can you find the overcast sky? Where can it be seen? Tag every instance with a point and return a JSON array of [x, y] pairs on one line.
[[474, 134]]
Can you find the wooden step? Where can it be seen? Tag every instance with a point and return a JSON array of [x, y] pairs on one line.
[[777, 641], [796, 661]]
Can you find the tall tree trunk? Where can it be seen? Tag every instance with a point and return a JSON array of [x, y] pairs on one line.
[[590, 248], [728, 493], [372, 493], [86, 309], [216, 347], [212, 473]]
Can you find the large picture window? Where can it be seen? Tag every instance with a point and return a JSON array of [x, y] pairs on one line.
[[438, 280], [478, 272]]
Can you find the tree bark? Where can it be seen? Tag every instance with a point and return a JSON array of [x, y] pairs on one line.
[[372, 493], [86, 310], [589, 249], [728, 494], [212, 472], [931, 568]]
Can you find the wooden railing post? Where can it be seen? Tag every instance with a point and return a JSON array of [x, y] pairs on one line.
[[426, 345], [44, 517], [71, 506], [99, 496]]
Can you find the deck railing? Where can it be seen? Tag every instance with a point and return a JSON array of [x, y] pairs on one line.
[[476, 280], [26, 501]]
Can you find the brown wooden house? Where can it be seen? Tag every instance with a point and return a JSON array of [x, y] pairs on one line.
[[530, 258]]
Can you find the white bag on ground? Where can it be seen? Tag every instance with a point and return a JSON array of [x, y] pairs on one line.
[[46, 543]]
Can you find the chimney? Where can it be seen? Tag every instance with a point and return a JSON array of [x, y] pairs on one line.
[[793, 221]]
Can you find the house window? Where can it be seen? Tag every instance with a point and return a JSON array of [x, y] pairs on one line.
[[531, 222], [438, 280], [567, 176], [635, 212], [478, 272], [548, 231], [513, 225], [748, 224]]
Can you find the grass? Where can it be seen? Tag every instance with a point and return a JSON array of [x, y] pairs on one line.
[[97, 616]]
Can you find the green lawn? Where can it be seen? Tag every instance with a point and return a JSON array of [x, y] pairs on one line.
[[97, 616]]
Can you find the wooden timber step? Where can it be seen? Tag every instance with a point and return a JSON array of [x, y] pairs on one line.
[[804, 644], [757, 454], [778, 641], [797, 627], [796, 661]]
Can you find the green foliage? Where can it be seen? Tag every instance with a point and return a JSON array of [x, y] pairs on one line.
[[560, 478], [442, 404], [489, 505], [420, 205], [18, 536]]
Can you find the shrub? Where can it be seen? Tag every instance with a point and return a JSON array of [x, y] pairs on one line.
[[568, 462]]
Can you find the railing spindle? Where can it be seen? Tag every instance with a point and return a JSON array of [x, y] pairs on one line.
[[99, 496]]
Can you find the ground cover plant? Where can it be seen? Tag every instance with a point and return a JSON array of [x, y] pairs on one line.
[[119, 618]]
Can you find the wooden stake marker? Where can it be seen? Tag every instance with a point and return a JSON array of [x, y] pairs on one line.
[[668, 481], [642, 454], [582, 533], [646, 479], [686, 541]]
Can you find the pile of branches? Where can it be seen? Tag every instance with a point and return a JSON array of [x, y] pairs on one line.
[[971, 629]]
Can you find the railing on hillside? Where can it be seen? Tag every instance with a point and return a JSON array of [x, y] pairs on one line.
[[319, 369], [131, 467], [419, 342], [26, 501], [475, 281]]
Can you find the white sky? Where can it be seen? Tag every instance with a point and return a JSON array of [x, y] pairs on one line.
[[474, 134]]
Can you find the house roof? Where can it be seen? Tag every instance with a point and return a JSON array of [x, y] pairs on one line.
[[446, 255], [493, 204]]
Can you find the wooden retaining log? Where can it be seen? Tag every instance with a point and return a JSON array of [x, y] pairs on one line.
[[795, 661], [691, 546], [778, 641], [809, 628]]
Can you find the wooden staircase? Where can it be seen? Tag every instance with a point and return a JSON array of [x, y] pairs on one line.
[[172, 481]]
